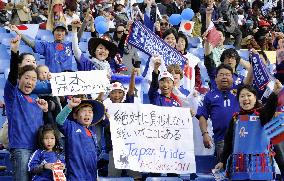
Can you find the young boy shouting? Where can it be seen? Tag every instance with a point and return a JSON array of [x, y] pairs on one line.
[[80, 142]]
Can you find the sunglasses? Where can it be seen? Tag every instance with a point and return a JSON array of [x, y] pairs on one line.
[[119, 32], [164, 24]]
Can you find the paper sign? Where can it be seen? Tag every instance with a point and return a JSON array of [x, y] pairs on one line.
[[80, 82], [148, 138], [58, 174]]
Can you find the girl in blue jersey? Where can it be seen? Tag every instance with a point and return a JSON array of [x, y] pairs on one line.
[[42, 160]]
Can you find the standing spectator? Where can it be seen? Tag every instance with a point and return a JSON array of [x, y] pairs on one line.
[[58, 54], [219, 104], [25, 114], [81, 147], [175, 7], [119, 9], [70, 15], [228, 14], [20, 11]]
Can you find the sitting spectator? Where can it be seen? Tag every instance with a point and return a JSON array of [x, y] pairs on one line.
[[43, 160], [58, 54]]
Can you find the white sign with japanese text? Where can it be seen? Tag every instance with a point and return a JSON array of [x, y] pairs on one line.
[[80, 82], [148, 138]]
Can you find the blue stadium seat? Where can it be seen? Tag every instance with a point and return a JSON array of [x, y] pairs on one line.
[[163, 179], [41, 33], [49, 38], [244, 54], [115, 179], [205, 163], [6, 42], [204, 177], [25, 49], [85, 36], [37, 57], [194, 42], [3, 30], [199, 52], [4, 54], [5, 161], [83, 47], [229, 46], [6, 35]]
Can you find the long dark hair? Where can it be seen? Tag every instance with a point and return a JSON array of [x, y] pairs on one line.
[[42, 131]]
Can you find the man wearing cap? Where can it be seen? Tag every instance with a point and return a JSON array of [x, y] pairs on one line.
[[58, 54], [81, 147]]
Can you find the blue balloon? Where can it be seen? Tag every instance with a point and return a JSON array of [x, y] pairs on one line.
[[100, 18], [101, 27], [175, 19], [187, 14]]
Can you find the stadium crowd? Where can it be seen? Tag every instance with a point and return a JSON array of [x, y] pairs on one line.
[[217, 70]]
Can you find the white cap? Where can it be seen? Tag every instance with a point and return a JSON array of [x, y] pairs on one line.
[[116, 86], [166, 74]]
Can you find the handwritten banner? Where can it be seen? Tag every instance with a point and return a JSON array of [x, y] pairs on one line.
[[148, 138], [148, 42], [261, 76], [80, 82]]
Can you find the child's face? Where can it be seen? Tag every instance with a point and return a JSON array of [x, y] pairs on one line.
[[43, 73], [176, 78], [49, 140], [28, 60], [84, 115], [166, 86], [247, 100], [116, 96], [101, 52]]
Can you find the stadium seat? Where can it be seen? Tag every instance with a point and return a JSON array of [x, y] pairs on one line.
[[199, 52], [6, 35], [85, 36], [204, 177], [5, 161], [205, 163], [5, 63], [41, 33], [115, 179], [49, 38], [3, 30], [25, 49], [194, 42], [83, 47], [163, 179], [244, 54], [6, 42], [229, 46]]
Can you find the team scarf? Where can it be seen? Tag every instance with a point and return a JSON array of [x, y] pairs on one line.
[[260, 73], [148, 42]]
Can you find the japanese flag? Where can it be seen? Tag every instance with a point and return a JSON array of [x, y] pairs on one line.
[[29, 30], [186, 27]]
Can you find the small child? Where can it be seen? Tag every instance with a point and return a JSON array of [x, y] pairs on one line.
[[80, 141], [164, 82], [54, 106], [42, 160]]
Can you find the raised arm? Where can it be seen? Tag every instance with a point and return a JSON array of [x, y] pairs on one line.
[[76, 50], [132, 82], [89, 18], [24, 38], [14, 62], [62, 116], [207, 46]]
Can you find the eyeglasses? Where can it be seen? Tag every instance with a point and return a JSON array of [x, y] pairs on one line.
[[164, 24]]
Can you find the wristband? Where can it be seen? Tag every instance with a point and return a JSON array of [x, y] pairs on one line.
[[205, 132]]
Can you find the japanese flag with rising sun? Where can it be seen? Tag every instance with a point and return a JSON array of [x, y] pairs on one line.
[[186, 27]]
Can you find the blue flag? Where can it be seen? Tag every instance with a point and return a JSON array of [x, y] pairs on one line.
[[260, 73]]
